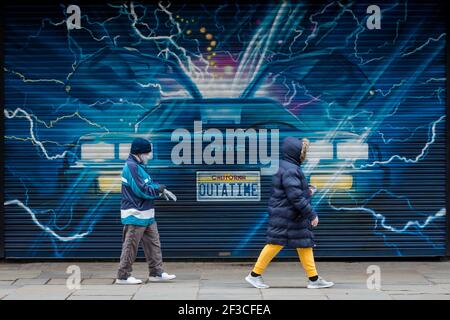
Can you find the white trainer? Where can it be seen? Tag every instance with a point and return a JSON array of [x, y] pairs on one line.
[[130, 280], [163, 277], [257, 282], [319, 284]]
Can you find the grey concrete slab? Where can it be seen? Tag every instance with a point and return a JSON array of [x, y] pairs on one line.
[[32, 281], [438, 279], [98, 281], [229, 297], [411, 289], [106, 290], [73, 297], [353, 296], [420, 297], [18, 274], [292, 291], [57, 281], [280, 296], [39, 292], [5, 292], [225, 280], [225, 291]]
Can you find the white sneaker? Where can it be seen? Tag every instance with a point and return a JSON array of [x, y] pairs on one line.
[[319, 284], [163, 277], [130, 280], [257, 282]]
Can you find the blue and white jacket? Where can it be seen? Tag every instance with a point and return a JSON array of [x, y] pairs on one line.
[[138, 193]]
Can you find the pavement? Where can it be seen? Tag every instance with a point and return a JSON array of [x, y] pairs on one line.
[[419, 280]]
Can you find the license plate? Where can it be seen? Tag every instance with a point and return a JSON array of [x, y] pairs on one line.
[[228, 186]]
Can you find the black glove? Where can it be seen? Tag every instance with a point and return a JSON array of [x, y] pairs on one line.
[[161, 188]]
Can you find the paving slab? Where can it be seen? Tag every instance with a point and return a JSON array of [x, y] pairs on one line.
[[225, 280], [57, 281], [353, 296], [98, 281], [31, 281], [39, 292], [14, 274], [106, 290], [421, 297], [73, 297]]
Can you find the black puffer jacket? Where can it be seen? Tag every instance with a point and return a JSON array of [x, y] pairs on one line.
[[290, 211]]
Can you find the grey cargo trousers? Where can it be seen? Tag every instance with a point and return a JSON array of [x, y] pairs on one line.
[[132, 236]]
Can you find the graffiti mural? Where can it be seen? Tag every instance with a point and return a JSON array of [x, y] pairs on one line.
[[216, 87]]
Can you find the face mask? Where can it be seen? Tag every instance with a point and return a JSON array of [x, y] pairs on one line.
[[145, 157]]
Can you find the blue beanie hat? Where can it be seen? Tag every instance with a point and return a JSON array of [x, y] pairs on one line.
[[140, 145]]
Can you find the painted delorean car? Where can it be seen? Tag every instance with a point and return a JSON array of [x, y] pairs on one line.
[[218, 156]]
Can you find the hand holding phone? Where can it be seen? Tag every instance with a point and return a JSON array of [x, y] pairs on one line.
[[312, 189], [315, 222], [169, 195]]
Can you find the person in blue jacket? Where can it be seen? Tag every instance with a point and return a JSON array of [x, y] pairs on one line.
[[138, 216], [291, 216]]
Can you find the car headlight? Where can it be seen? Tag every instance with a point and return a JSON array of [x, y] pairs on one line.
[[320, 150], [352, 150], [124, 150], [97, 151]]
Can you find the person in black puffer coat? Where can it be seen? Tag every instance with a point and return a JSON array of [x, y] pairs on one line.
[[291, 216]]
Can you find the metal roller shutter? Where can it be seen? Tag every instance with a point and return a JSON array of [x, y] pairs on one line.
[[372, 103]]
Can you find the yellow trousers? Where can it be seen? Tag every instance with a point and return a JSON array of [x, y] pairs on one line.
[[271, 250]]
